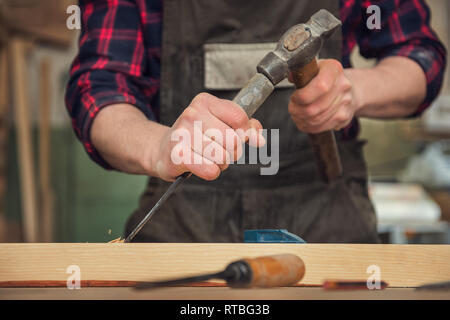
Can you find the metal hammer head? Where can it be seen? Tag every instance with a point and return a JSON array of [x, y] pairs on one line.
[[298, 46]]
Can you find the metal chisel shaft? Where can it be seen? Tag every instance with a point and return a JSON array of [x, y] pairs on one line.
[[180, 281], [163, 199]]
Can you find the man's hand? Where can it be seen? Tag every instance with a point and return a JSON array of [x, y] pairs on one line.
[[394, 88], [130, 142], [328, 102], [220, 124]]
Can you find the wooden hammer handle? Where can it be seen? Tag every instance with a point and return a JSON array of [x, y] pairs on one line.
[[324, 143]]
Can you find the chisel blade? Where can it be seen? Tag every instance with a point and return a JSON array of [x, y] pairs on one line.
[[163, 199]]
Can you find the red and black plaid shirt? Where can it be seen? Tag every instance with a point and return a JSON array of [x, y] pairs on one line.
[[120, 52]]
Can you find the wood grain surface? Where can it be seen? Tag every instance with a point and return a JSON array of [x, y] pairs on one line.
[[400, 265], [217, 293]]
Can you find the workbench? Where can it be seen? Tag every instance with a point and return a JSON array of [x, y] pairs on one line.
[[219, 293], [118, 265]]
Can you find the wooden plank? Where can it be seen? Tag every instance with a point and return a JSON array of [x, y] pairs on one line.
[[400, 265], [216, 293], [25, 147], [60, 283]]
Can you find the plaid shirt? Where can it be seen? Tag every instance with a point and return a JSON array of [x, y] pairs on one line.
[[120, 52]]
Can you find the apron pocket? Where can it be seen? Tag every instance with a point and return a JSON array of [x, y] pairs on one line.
[[228, 66]]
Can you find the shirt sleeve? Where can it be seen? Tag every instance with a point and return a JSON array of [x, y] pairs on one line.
[[404, 31], [113, 65]]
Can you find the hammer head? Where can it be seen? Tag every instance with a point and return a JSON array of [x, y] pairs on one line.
[[298, 46]]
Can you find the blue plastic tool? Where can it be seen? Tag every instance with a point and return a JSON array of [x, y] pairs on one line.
[[271, 236]]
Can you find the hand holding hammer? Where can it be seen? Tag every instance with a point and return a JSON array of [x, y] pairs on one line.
[[295, 56]]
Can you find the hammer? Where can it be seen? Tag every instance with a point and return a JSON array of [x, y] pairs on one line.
[[296, 53]]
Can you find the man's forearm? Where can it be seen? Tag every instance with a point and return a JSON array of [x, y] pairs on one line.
[[394, 88], [126, 139]]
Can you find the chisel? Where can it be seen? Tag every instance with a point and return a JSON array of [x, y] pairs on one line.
[[250, 98], [166, 194], [262, 272]]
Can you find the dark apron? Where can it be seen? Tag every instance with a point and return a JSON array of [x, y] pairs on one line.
[[295, 198]]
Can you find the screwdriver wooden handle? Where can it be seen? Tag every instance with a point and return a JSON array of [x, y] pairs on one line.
[[324, 143], [276, 271]]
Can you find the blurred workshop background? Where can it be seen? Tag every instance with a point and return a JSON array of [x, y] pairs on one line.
[[50, 191]]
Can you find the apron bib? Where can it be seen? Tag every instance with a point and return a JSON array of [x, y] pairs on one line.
[[198, 35]]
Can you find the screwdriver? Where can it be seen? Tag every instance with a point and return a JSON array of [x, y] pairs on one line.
[[262, 272]]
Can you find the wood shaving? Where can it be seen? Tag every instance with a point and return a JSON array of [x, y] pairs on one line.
[[118, 240]]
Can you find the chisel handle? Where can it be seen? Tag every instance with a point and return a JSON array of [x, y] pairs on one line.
[[275, 271], [324, 143], [254, 93]]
